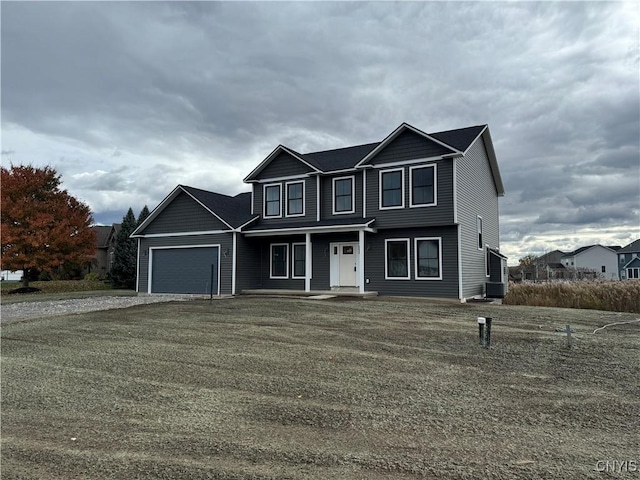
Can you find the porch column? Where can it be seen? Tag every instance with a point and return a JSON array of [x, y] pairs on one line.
[[361, 260], [307, 262]]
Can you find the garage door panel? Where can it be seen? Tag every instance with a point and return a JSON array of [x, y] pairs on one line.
[[184, 270]]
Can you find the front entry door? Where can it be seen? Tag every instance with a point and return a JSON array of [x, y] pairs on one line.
[[344, 264]]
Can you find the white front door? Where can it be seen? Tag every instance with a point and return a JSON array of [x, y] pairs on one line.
[[344, 264]]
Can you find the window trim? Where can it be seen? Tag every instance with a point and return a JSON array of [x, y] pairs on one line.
[[353, 194], [380, 175], [286, 198], [434, 166], [631, 277], [286, 256], [386, 258], [293, 260], [264, 199], [416, 258], [479, 233]]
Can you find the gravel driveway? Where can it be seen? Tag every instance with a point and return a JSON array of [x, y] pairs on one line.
[[29, 310]]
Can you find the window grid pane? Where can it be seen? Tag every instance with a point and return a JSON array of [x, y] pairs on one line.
[[397, 261], [422, 186], [299, 254], [392, 189], [428, 258], [343, 195], [294, 196], [279, 261]]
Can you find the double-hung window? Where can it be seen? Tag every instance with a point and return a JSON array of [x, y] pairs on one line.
[[295, 199], [272, 195], [279, 260], [299, 260], [633, 272], [423, 186], [392, 188], [396, 259], [428, 259], [343, 198]]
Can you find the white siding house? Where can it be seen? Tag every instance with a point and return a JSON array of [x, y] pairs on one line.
[[596, 258]]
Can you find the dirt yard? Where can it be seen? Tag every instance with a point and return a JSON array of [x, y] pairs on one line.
[[265, 388]]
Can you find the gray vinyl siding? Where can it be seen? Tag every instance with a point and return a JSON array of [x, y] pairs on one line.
[[223, 239], [408, 146], [326, 196], [184, 214], [440, 214], [283, 165], [375, 264], [476, 196], [310, 202], [248, 273]]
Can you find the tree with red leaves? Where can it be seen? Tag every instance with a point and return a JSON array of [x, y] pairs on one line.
[[43, 227]]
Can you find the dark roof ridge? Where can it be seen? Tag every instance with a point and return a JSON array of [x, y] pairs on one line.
[[342, 148]]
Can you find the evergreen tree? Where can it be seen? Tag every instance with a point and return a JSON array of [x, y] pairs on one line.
[[143, 215], [123, 271]]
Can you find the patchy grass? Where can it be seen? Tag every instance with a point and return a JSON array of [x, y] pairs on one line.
[[615, 296], [260, 388], [57, 286]]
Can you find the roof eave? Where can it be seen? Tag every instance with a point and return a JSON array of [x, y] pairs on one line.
[[271, 156]]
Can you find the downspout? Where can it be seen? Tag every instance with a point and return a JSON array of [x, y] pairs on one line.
[[233, 263]]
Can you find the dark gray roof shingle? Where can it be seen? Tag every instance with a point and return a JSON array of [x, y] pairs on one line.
[[236, 211]]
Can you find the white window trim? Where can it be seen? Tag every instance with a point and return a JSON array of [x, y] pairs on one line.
[[415, 258], [353, 194], [264, 199], [629, 270], [435, 186], [386, 259], [286, 256], [293, 260], [479, 232], [380, 174], [286, 199]]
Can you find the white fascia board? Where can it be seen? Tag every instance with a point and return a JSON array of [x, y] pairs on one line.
[[493, 161], [182, 234], [300, 230], [413, 162], [284, 179]]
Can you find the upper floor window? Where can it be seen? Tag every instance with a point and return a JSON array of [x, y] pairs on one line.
[[428, 259], [343, 198], [392, 188], [479, 225], [272, 207], [423, 186], [295, 199]]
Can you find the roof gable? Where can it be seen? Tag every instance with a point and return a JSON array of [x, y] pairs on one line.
[[278, 155], [228, 212], [635, 262], [438, 147], [633, 247], [339, 158]]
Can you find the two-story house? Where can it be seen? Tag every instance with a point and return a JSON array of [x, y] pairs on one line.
[[629, 261], [415, 214], [592, 261]]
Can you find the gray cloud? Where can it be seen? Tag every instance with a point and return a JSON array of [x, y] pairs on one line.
[[200, 92]]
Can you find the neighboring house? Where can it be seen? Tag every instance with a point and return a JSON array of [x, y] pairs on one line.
[[106, 240], [415, 214], [592, 261], [629, 261]]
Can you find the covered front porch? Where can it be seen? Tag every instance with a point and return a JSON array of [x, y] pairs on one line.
[[314, 259]]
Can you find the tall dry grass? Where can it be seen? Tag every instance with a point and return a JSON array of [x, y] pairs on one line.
[[616, 296]]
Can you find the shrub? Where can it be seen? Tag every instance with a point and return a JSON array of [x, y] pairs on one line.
[[91, 277], [617, 296]]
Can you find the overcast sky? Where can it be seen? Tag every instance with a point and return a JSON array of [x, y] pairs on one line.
[[127, 100]]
